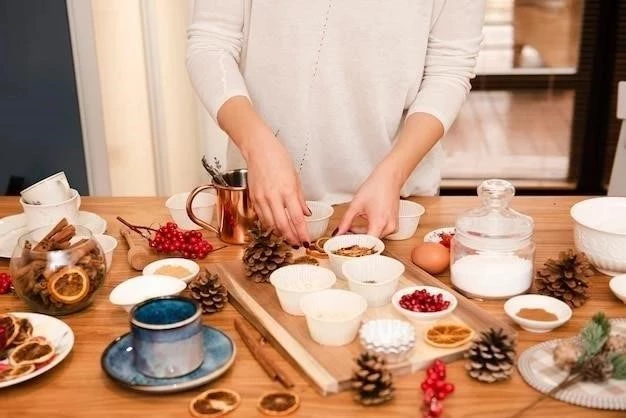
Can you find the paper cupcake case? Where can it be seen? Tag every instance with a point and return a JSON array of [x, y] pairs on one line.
[[537, 367]]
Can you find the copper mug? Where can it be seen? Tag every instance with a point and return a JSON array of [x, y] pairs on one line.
[[235, 214]]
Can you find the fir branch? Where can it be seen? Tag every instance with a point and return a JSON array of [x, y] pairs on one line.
[[619, 366], [594, 336]]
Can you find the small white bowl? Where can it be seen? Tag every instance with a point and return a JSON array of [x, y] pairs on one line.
[[392, 339], [203, 206], [600, 232], [108, 244], [375, 278], [557, 307], [317, 223], [333, 316], [190, 265], [408, 220], [618, 286], [341, 241], [137, 289], [424, 316], [297, 280]]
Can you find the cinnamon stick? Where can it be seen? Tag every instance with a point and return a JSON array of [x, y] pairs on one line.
[[58, 227]]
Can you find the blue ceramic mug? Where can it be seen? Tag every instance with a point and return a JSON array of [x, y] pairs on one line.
[[167, 336]]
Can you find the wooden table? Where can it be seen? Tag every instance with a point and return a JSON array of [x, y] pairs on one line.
[[79, 388]]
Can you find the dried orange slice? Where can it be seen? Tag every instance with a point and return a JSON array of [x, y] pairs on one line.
[[279, 403], [320, 243], [69, 285], [214, 403], [33, 351], [306, 259], [11, 326], [25, 331], [14, 372], [448, 335]]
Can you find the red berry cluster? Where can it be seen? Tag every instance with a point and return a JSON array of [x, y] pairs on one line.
[[435, 389], [171, 239], [6, 283], [424, 301], [445, 239]]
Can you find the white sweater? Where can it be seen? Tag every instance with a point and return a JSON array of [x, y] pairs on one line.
[[338, 77]]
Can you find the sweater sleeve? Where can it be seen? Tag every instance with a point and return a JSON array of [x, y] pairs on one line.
[[453, 47], [214, 44]]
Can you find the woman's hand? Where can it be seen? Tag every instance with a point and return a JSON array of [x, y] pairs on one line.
[[275, 189], [377, 201]]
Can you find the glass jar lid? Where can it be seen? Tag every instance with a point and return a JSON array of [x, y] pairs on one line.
[[494, 225]]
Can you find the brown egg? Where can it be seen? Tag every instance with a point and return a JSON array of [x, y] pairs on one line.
[[431, 256]]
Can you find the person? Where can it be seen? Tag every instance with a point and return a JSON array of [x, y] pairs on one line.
[[334, 100]]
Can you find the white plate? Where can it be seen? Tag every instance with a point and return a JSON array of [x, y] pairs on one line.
[[56, 331], [538, 370], [14, 226], [433, 236]]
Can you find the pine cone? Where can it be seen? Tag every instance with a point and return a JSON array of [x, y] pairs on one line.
[[597, 369], [491, 357], [207, 289], [566, 278], [372, 380], [265, 253]]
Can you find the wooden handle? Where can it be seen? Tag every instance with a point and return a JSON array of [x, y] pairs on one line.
[[138, 256]]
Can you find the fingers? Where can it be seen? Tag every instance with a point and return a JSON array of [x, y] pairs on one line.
[[282, 222], [348, 218], [296, 216]]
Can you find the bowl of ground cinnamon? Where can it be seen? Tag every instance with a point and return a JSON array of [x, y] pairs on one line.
[[180, 268], [537, 313]]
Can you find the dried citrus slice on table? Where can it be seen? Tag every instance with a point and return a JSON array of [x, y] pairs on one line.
[[11, 326], [9, 373], [34, 351], [69, 285], [448, 335], [278, 403], [214, 403]]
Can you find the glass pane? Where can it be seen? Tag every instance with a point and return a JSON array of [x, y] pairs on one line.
[[522, 134], [531, 37]]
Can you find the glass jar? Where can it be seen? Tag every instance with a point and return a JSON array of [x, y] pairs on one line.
[[57, 282], [492, 253]]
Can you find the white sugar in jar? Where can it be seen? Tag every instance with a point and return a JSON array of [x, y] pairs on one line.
[[492, 251]]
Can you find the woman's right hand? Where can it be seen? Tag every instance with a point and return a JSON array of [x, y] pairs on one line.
[[275, 189]]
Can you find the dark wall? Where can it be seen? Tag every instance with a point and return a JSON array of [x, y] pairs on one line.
[[40, 130]]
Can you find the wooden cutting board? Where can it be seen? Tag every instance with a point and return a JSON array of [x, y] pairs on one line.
[[330, 368]]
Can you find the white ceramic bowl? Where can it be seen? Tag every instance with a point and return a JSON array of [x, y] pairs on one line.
[[553, 305], [333, 316], [391, 338], [189, 265], [424, 316], [297, 280], [317, 223], [341, 241], [108, 244], [408, 220], [375, 278], [600, 232], [203, 206], [618, 286], [137, 289]]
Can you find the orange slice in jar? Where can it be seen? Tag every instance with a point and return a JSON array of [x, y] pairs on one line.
[[448, 335], [69, 285], [34, 351]]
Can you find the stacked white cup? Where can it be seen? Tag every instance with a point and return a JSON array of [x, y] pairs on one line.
[[50, 200]]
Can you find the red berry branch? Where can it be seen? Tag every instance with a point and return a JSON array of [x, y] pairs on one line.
[[170, 239], [6, 283], [435, 389]]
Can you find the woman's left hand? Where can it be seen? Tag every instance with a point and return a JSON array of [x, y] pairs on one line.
[[377, 201]]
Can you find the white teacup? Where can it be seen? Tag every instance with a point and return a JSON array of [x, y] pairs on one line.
[[42, 215], [51, 190]]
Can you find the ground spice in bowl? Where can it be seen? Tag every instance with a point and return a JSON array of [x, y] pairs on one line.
[[537, 314], [173, 271]]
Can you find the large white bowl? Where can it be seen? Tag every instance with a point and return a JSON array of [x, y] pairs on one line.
[[333, 316], [408, 219], [618, 286], [297, 280], [424, 316], [317, 223], [189, 265], [137, 289], [560, 309], [341, 241], [203, 206], [108, 244], [375, 278], [600, 232]]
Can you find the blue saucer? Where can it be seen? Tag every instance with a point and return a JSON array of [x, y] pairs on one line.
[[118, 363]]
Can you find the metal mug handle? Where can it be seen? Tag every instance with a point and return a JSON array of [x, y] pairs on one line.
[[189, 208]]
